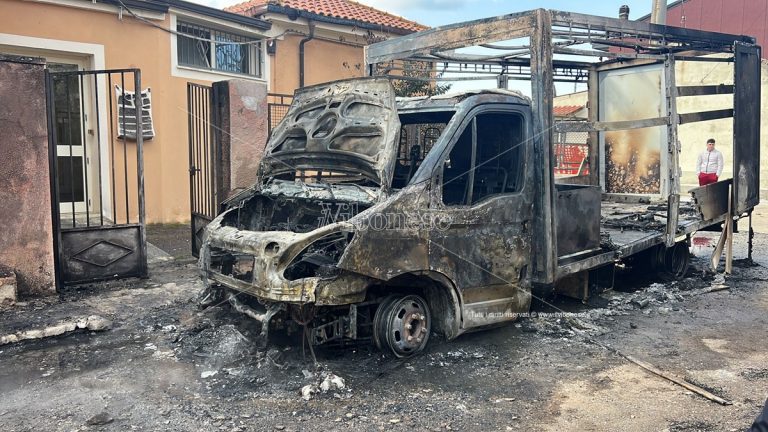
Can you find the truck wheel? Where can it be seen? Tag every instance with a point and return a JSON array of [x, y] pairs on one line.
[[673, 262], [402, 325]]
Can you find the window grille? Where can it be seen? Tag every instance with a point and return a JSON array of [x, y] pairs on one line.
[[206, 48]]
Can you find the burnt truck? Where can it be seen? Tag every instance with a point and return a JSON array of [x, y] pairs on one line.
[[385, 219]]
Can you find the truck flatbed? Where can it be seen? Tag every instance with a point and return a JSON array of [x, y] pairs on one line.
[[629, 228]]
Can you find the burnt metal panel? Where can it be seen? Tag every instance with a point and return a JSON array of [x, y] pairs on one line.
[[607, 126], [109, 252], [705, 116], [592, 114], [512, 26], [198, 223], [578, 218], [485, 249], [673, 152], [487, 30], [585, 264], [673, 216], [545, 256], [608, 54], [669, 33], [711, 200], [746, 128], [354, 121], [704, 90]]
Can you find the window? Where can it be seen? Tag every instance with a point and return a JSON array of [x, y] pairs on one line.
[[206, 48], [418, 134], [485, 160]]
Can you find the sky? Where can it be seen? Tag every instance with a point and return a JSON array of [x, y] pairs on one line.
[[441, 12], [436, 13]]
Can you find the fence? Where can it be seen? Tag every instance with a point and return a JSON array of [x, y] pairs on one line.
[[97, 122], [203, 161], [277, 105], [571, 153]]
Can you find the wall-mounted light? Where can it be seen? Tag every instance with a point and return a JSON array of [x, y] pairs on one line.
[[271, 46]]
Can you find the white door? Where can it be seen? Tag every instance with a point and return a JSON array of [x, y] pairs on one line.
[[70, 115]]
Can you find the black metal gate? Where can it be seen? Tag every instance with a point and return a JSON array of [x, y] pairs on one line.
[[277, 108], [96, 131], [203, 159]]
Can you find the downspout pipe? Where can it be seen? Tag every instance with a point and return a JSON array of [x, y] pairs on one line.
[[301, 52]]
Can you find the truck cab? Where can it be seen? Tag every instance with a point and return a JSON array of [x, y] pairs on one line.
[[382, 219]]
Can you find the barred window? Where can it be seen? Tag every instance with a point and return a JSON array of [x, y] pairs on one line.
[[207, 48]]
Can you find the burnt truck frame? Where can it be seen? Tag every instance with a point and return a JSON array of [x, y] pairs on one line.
[[385, 220]]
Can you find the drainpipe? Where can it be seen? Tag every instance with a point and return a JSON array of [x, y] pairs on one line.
[[301, 52]]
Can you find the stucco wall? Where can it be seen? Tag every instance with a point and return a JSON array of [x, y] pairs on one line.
[[26, 242], [323, 61], [248, 126], [127, 43], [242, 108]]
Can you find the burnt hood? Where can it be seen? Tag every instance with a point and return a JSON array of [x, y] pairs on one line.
[[348, 126]]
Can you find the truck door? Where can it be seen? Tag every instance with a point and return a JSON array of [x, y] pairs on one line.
[[485, 196]]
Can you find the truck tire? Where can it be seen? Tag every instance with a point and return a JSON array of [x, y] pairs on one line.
[[672, 262], [402, 325]]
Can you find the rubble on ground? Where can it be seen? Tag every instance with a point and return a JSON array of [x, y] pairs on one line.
[[655, 298], [324, 382], [92, 323]]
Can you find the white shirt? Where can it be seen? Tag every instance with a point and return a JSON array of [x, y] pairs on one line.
[[710, 162]]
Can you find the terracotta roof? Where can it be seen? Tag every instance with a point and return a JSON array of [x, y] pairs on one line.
[[342, 9], [564, 110]]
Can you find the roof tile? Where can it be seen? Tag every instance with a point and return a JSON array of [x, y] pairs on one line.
[[344, 9], [565, 110]]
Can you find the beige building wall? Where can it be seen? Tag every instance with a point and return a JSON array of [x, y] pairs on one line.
[[693, 136], [324, 61], [127, 43], [335, 51]]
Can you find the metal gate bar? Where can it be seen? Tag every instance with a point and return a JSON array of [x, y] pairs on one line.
[[203, 160], [108, 245], [277, 108]]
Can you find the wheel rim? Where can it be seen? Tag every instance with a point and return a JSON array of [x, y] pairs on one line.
[[379, 318], [406, 327]]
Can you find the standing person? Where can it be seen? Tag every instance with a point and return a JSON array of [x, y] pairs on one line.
[[709, 164]]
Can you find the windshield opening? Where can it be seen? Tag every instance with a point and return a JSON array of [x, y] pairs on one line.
[[419, 132]]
